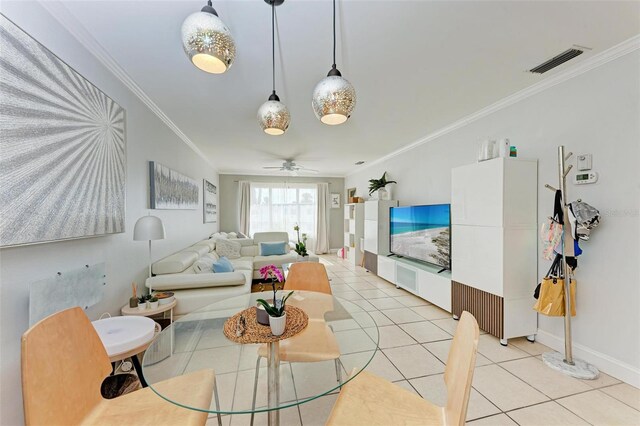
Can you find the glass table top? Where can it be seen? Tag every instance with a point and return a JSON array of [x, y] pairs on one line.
[[307, 370]]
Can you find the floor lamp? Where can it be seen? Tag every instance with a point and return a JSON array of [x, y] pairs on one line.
[[148, 228]]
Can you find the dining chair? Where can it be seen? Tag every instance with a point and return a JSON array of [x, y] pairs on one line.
[[64, 364], [316, 343], [371, 400]]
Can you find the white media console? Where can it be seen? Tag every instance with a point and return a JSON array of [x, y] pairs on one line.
[[421, 279]]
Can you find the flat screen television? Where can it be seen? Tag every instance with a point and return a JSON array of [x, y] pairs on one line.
[[422, 233]]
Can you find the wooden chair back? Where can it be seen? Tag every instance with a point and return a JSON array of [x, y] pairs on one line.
[[458, 373], [310, 276], [63, 365]]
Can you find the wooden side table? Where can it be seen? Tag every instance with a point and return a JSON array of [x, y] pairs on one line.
[[161, 309]]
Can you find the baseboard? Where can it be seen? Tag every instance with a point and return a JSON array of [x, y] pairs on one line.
[[605, 363], [333, 250]]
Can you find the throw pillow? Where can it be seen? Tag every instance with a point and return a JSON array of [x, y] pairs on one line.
[[228, 249], [222, 265], [204, 265], [273, 249]]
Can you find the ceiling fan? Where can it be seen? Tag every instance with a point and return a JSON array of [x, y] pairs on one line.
[[291, 166]]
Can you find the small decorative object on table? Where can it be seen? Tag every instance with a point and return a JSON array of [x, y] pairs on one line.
[[379, 186], [301, 246], [142, 303], [276, 312], [133, 301], [153, 302]]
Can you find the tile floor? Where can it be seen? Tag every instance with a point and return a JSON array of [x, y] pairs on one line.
[[511, 385]]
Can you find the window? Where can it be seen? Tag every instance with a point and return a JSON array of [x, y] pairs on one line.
[[280, 206]]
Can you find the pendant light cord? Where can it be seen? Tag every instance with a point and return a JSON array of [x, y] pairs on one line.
[[334, 33], [273, 45]]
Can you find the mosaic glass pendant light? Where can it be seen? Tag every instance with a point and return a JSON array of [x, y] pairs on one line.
[[207, 41], [273, 115], [334, 98]]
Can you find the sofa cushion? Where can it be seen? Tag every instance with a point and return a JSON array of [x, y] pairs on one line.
[[183, 281], [269, 237], [278, 260], [243, 263], [249, 251], [209, 243], [272, 249], [175, 263], [213, 255], [222, 265], [204, 265], [227, 248], [198, 248]]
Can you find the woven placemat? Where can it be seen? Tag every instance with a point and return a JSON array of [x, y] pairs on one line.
[[297, 320]]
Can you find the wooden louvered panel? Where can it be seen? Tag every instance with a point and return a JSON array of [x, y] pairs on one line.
[[486, 307]]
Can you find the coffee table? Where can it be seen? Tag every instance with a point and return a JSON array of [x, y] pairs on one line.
[[200, 343]]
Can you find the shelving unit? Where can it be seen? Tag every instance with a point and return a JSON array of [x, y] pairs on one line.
[[353, 232], [376, 231]]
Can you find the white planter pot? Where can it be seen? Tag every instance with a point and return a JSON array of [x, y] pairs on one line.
[[278, 324], [383, 194], [303, 258], [142, 306], [153, 305]]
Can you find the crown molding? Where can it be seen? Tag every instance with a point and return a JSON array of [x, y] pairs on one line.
[[277, 174], [61, 14], [580, 68]]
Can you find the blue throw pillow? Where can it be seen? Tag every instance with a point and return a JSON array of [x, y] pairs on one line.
[[222, 265], [273, 249]]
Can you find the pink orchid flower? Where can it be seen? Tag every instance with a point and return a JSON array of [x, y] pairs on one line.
[[271, 272]]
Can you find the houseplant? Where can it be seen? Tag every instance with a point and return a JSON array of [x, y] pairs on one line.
[[301, 246], [276, 312], [153, 302], [379, 186], [142, 303]]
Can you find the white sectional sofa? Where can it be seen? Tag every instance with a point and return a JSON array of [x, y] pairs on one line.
[[180, 272]]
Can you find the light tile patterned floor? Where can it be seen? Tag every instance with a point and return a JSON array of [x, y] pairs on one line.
[[511, 385]]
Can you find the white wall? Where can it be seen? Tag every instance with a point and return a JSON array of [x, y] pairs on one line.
[[147, 139], [597, 112]]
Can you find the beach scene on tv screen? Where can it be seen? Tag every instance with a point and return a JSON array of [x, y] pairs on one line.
[[422, 232]]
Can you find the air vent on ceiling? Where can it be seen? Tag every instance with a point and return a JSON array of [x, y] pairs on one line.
[[556, 61]]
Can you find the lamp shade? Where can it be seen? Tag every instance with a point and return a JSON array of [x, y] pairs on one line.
[[148, 228], [207, 41]]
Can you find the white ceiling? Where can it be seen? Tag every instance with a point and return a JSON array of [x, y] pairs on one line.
[[417, 66]]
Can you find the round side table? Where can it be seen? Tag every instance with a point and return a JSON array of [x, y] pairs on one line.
[[158, 353]]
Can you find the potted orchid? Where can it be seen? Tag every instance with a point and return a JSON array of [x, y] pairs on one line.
[[276, 312], [301, 246]]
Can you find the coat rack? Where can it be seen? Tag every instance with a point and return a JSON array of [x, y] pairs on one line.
[[567, 363]]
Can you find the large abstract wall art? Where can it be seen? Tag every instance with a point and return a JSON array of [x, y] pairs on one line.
[[62, 148], [170, 190]]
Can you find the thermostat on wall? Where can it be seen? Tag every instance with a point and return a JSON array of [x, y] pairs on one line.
[[585, 178]]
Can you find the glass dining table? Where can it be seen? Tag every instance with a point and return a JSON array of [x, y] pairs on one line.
[[339, 341]]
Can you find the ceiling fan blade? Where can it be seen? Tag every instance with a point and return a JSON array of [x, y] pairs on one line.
[[279, 167], [310, 171]]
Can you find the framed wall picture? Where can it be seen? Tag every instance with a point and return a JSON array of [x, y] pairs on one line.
[[335, 201], [210, 202], [63, 163], [171, 190]]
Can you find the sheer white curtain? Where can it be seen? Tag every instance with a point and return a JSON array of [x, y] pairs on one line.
[[245, 205], [322, 222], [280, 206]]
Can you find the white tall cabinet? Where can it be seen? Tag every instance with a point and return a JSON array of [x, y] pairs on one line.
[[376, 231], [354, 232], [494, 208]]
